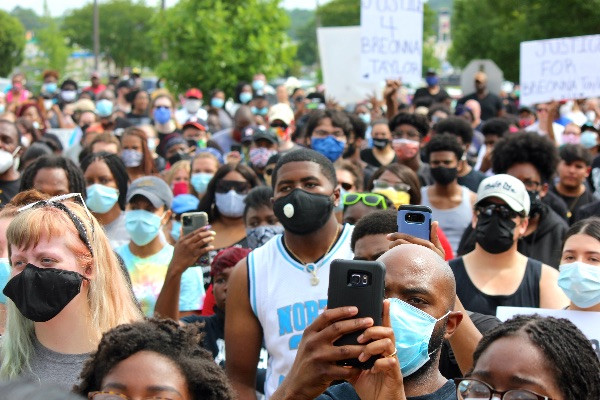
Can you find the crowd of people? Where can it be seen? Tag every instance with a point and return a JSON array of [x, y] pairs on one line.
[[115, 299]]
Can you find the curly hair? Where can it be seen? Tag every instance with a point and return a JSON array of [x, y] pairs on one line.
[[444, 142], [73, 172], [419, 122], [570, 355], [376, 223], [182, 345], [525, 147], [456, 126]]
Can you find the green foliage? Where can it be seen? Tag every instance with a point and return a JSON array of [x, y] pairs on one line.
[[494, 29], [298, 19], [124, 31], [340, 13], [53, 43], [12, 43], [217, 43], [30, 20]]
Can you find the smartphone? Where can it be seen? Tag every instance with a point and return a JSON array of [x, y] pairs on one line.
[[361, 284], [191, 221], [415, 221], [236, 147]]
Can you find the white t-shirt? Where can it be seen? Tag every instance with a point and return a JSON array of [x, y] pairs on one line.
[[557, 128]]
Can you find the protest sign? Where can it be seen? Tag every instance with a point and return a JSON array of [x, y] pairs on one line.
[[339, 49], [391, 40], [558, 69], [587, 321]]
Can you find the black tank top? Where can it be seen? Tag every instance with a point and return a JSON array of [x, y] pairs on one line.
[[473, 299]]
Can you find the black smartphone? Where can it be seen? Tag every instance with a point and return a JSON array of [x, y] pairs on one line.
[[191, 221], [236, 147], [415, 221], [361, 284]]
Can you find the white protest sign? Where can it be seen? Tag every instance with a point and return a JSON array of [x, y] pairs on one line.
[[557, 69], [339, 50], [587, 321], [391, 40]]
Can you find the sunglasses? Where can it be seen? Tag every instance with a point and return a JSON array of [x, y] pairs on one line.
[[399, 187], [224, 186], [56, 202], [368, 199], [500, 209]]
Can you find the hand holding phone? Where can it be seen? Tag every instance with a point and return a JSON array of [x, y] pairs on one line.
[[190, 221], [415, 221]]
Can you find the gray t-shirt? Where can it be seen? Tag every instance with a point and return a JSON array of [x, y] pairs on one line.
[[116, 232], [48, 366]]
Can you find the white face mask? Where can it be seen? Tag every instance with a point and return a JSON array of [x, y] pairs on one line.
[[192, 105], [7, 159]]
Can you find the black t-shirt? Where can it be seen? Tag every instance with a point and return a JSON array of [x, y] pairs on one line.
[[422, 97], [367, 156], [8, 190], [472, 180], [345, 391], [138, 119], [490, 104], [574, 203]]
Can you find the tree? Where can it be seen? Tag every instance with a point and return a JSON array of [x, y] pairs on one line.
[[30, 20], [494, 29], [124, 31], [217, 43], [12, 43], [53, 43]]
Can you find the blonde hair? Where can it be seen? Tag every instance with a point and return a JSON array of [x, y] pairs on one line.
[[110, 297], [178, 166], [204, 154]]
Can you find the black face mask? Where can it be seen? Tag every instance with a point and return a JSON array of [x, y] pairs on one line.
[[178, 157], [380, 143], [41, 294], [443, 175], [301, 212], [494, 233], [537, 206]]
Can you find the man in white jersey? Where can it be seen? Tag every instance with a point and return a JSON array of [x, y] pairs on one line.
[[281, 287]]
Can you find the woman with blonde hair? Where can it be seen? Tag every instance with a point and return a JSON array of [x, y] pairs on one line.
[[178, 177], [66, 289]]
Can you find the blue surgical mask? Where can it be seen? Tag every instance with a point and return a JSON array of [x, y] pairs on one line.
[[199, 181], [162, 115], [343, 193], [259, 111], [412, 331], [260, 235], [4, 277], [100, 198], [330, 147], [217, 102], [175, 230], [365, 117], [581, 283], [258, 84], [230, 204], [142, 226], [432, 80], [49, 87], [132, 158], [589, 139], [245, 97], [104, 107]]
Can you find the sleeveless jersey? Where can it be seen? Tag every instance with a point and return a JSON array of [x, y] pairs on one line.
[[285, 302]]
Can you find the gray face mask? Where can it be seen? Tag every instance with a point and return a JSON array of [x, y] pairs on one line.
[[260, 235]]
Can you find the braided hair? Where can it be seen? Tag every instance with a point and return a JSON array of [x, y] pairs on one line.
[[74, 173], [574, 362], [117, 169], [182, 345]]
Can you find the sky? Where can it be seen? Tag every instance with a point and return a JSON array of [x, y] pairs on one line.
[[58, 7]]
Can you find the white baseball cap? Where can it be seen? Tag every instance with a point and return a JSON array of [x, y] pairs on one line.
[[507, 188]]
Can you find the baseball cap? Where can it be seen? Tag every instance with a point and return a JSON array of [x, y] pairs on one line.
[[83, 105], [153, 188], [193, 93], [247, 134], [260, 132], [184, 203], [431, 71], [196, 123], [507, 188], [282, 112]]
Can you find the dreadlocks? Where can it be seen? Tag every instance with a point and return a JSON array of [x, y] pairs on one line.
[[74, 174]]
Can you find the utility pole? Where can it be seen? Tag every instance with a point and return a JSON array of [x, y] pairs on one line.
[[96, 35]]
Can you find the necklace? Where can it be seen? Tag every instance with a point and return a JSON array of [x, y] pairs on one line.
[[311, 268]]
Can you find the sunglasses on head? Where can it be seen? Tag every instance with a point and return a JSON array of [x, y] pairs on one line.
[[399, 187], [368, 199], [503, 210], [224, 186]]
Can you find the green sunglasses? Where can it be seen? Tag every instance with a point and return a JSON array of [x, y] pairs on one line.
[[368, 199]]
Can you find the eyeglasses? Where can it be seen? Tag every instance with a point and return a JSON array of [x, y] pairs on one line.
[[500, 209], [56, 202], [224, 186], [531, 185], [399, 187], [119, 396], [411, 134], [368, 199], [474, 389]]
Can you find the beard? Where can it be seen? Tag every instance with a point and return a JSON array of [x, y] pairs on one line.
[[434, 348]]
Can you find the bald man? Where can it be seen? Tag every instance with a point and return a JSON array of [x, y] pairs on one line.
[[491, 105], [422, 280]]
